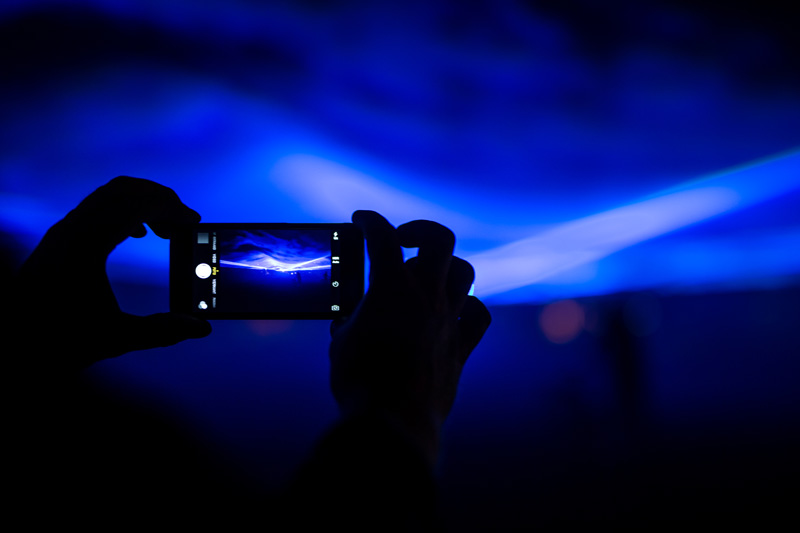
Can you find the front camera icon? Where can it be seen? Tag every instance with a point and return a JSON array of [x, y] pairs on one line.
[[335, 283]]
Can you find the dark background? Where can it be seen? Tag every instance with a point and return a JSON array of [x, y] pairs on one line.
[[668, 392]]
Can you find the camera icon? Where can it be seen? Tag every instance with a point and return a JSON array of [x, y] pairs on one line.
[[334, 308]]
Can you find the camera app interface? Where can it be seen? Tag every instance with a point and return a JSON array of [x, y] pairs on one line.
[[267, 270]]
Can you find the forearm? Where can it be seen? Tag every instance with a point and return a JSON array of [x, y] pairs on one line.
[[367, 472]]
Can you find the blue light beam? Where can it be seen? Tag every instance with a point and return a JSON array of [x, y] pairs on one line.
[[589, 239], [322, 263]]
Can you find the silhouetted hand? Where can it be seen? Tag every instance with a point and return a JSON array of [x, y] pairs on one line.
[[401, 353], [67, 311]]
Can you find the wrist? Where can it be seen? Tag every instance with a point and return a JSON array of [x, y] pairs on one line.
[[417, 427]]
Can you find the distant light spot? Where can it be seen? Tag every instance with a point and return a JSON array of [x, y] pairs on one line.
[[562, 321]]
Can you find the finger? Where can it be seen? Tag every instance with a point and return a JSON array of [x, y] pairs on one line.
[[383, 247], [435, 243], [459, 282], [338, 323], [412, 264], [472, 324], [162, 329], [139, 231], [117, 209]]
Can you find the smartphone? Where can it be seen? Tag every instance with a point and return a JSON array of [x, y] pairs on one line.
[[266, 270]]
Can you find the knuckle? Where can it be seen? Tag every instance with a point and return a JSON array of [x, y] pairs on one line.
[[122, 181]]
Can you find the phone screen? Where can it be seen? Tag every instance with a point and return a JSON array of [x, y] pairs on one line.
[[268, 270]]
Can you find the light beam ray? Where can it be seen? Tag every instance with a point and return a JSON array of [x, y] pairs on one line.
[[589, 239]]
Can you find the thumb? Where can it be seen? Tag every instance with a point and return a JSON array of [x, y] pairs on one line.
[[162, 329], [472, 324], [338, 323]]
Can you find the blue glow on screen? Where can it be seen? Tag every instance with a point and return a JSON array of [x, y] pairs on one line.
[[275, 270], [280, 251]]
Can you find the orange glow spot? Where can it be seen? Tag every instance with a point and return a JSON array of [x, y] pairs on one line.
[[562, 321], [265, 328]]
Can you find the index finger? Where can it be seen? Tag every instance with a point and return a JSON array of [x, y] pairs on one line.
[[117, 209], [435, 243]]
